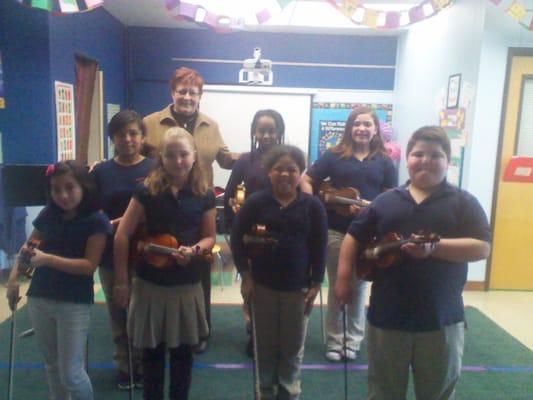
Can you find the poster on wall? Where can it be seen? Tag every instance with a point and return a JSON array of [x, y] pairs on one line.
[[2, 95], [328, 120], [66, 132], [453, 122]]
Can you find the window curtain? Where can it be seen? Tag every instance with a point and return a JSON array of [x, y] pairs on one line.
[[85, 75]]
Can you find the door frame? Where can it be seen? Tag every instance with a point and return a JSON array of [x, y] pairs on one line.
[[511, 54]]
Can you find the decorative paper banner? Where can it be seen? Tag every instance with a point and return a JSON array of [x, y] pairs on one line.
[[59, 7], [66, 132], [94, 3], [382, 19], [43, 4], [352, 9], [348, 7], [518, 11], [193, 11], [68, 6]]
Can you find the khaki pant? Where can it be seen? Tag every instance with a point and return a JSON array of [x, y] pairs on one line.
[[281, 328], [435, 358], [355, 310], [117, 321]]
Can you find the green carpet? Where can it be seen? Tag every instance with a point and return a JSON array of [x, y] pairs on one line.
[[496, 366]]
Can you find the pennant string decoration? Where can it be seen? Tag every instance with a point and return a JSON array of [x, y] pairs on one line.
[[518, 11], [62, 7]]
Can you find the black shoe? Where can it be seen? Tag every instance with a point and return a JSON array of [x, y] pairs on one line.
[[200, 347], [250, 348], [123, 381]]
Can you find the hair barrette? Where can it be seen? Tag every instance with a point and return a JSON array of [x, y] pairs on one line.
[[50, 169]]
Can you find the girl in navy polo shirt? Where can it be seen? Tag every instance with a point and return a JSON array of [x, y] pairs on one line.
[[72, 235], [268, 129], [416, 317], [359, 161], [116, 179], [281, 279], [167, 305]]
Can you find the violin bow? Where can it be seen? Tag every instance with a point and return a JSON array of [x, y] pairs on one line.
[[345, 359], [257, 390], [322, 324], [12, 353]]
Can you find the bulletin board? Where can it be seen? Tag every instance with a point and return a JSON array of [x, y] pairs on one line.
[[330, 112]]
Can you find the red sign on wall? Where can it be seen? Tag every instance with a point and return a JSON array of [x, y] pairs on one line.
[[519, 169]]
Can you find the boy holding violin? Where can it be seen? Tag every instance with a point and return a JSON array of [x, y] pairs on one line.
[[416, 316]]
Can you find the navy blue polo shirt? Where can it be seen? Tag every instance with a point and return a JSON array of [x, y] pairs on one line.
[[420, 294], [115, 185], [180, 217], [65, 238], [370, 177], [248, 169], [301, 228]]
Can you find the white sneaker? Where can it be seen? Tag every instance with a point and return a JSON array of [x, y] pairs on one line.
[[333, 355], [351, 354]]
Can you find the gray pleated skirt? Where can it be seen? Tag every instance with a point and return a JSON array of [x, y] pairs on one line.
[[171, 314]]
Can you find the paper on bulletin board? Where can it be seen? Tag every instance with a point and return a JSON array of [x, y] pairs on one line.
[[2, 95], [66, 123]]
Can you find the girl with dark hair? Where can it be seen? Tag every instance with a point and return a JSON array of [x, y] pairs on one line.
[[71, 235], [282, 280], [116, 179], [359, 161], [268, 129], [167, 310]]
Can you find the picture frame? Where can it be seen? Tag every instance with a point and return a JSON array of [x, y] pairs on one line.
[[454, 88]]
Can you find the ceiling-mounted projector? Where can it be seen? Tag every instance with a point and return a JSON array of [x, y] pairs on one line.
[[256, 71]]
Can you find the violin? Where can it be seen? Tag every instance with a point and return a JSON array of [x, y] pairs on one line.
[[159, 250], [25, 266], [259, 239], [238, 199], [385, 253], [340, 200]]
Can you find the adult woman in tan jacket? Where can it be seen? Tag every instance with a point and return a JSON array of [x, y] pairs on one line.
[[186, 87]]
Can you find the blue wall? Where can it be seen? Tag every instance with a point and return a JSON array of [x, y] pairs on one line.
[[152, 50], [38, 49], [99, 36], [26, 122]]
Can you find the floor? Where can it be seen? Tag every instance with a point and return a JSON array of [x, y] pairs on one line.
[[513, 311]]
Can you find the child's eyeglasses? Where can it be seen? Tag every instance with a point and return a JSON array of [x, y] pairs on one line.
[[366, 124]]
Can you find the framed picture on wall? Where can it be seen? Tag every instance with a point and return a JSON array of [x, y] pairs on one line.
[[454, 87]]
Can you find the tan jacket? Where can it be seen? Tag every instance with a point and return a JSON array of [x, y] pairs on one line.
[[207, 138]]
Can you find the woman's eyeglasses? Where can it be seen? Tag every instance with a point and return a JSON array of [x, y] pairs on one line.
[[183, 92]]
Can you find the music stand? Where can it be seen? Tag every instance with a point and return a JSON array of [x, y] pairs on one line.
[[24, 185]]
